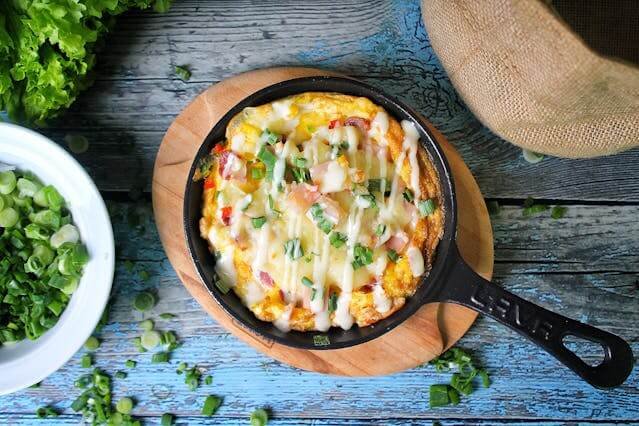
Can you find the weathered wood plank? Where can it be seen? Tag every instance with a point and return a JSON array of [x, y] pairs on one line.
[[25, 420], [382, 42], [527, 384]]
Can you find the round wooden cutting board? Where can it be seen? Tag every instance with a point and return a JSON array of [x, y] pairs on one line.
[[422, 337]]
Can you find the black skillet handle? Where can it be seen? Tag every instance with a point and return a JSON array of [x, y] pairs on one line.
[[545, 328]]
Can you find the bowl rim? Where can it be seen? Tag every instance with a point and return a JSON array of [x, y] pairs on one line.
[[49, 353]]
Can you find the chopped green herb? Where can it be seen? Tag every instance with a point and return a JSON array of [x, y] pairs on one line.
[[211, 404], [380, 229], [35, 385], [313, 293], [44, 412], [300, 174], [362, 256], [160, 357], [120, 375], [366, 201], [128, 265], [300, 162], [269, 159], [130, 363], [531, 208], [307, 282], [41, 257], [183, 72], [147, 325], [91, 344], [144, 301], [426, 207], [332, 303], [293, 249], [259, 417], [408, 195], [257, 172], [337, 239], [461, 381], [167, 419], [558, 212], [375, 185], [167, 316], [144, 275], [124, 405], [258, 222], [269, 137], [86, 361], [208, 380], [181, 367], [442, 395], [317, 213], [192, 377]]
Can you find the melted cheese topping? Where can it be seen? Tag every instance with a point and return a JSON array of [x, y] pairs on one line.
[[314, 208]]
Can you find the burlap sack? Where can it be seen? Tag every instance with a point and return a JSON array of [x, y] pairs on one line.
[[530, 79]]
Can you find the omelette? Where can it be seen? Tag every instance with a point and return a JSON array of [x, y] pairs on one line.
[[322, 211]]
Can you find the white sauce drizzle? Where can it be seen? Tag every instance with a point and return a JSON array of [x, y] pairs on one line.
[[283, 323], [415, 260], [410, 144], [254, 293], [261, 251], [225, 267], [380, 299]]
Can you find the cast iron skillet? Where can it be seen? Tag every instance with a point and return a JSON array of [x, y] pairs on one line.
[[450, 279]]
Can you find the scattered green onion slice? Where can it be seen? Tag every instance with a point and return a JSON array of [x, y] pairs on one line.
[[332, 303], [150, 339], [167, 419], [167, 316], [183, 72], [144, 301], [426, 207], [147, 325], [86, 361], [337, 239], [130, 363], [120, 375], [160, 357], [259, 417], [208, 380], [92, 343], [531, 156], [211, 404], [392, 255], [558, 212], [124, 405], [307, 282], [258, 222]]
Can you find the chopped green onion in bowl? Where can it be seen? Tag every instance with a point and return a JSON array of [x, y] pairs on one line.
[[41, 257]]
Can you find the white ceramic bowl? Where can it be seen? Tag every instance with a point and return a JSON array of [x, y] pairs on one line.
[[29, 362]]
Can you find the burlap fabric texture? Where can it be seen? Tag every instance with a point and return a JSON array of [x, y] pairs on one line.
[[531, 80]]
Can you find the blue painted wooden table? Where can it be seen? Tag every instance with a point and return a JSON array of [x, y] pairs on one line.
[[584, 265]]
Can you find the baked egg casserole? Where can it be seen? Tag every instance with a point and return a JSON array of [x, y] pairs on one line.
[[322, 211]]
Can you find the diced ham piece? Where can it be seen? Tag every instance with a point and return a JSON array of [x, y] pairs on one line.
[[335, 123], [398, 242], [302, 196], [231, 166], [363, 124], [330, 176], [266, 279]]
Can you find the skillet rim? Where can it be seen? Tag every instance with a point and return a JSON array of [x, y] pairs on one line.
[[430, 283]]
